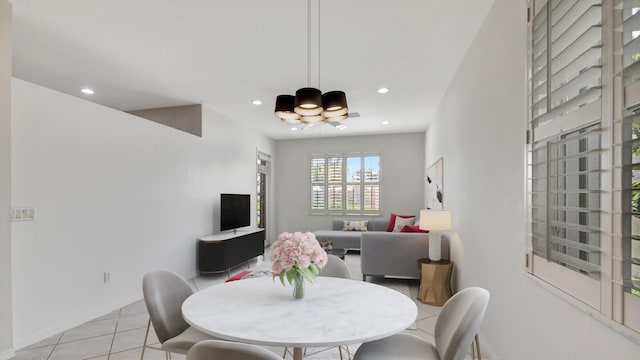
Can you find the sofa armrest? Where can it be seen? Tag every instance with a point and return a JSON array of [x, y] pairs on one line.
[[395, 254]]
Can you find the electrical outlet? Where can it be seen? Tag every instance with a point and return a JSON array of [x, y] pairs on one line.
[[23, 214], [107, 277]]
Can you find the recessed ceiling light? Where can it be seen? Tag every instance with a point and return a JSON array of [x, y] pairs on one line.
[[294, 129], [257, 102], [383, 90], [341, 126], [87, 91], [385, 123]]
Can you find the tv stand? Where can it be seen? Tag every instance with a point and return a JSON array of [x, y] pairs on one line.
[[220, 252]]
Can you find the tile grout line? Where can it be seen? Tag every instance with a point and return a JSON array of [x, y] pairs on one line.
[[55, 346], [115, 331]]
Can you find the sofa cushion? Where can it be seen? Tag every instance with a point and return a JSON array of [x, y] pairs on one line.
[[378, 224], [340, 239], [403, 221], [373, 224], [413, 228], [392, 220], [355, 225]]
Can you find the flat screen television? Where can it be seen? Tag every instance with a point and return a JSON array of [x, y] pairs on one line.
[[235, 211]]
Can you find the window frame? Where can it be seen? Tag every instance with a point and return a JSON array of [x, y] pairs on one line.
[[343, 183], [614, 305]]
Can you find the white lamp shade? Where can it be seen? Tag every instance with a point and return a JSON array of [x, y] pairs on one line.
[[435, 220]]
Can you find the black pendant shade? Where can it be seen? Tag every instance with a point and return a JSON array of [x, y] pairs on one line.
[[308, 101], [311, 106], [284, 109], [334, 100]]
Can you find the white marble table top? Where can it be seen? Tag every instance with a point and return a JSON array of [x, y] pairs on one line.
[[333, 312]]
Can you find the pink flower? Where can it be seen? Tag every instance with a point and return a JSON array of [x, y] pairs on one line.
[[296, 251]]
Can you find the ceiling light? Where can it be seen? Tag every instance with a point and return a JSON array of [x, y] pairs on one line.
[[284, 109], [385, 123], [337, 118], [383, 90], [87, 91], [294, 129], [310, 105], [341, 127], [257, 102]]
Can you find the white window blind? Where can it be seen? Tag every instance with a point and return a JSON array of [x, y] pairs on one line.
[[564, 160], [627, 164], [345, 184], [567, 230], [318, 187], [583, 191]]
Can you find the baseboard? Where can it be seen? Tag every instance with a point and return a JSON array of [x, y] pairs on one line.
[[7, 354], [47, 333]]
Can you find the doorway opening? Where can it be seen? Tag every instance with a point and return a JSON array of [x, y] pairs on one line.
[[262, 179]]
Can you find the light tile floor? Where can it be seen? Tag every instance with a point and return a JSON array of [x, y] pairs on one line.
[[119, 335]]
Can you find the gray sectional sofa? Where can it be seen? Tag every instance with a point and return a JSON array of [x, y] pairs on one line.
[[382, 253], [349, 239]]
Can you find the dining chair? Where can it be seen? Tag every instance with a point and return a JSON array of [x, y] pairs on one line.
[[227, 350], [456, 327], [164, 292], [337, 268]]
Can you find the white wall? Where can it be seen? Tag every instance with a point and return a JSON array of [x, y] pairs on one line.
[[479, 129], [402, 168], [6, 331], [115, 193]]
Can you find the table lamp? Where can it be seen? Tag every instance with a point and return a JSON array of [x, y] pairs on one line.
[[435, 221]]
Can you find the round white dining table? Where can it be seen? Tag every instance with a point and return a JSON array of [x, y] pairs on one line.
[[333, 312]]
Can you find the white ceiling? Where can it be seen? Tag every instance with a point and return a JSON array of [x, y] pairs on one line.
[[139, 54]]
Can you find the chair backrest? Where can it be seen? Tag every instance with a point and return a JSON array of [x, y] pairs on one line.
[[164, 292], [459, 321], [218, 349], [335, 268]]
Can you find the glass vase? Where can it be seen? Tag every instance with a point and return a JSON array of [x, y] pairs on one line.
[[298, 286]]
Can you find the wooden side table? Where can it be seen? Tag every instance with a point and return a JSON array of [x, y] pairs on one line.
[[435, 281]]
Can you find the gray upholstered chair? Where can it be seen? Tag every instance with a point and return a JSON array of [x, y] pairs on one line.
[[335, 268], [164, 292], [456, 327], [226, 350]]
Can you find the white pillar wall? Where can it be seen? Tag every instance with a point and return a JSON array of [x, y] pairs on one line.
[[6, 323]]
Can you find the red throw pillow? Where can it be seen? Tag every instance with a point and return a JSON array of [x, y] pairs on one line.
[[239, 276], [413, 228], [392, 221]]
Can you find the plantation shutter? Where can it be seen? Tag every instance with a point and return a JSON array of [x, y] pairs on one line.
[[334, 188], [346, 184], [318, 173], [565, 148], [354, 175], [627, 143]]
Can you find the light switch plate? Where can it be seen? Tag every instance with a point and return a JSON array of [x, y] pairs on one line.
[[23, 214]]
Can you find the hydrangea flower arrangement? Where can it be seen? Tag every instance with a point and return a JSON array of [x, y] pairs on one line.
[[297, 256]]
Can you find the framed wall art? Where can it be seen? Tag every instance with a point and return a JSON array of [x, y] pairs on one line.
[[435, 185]]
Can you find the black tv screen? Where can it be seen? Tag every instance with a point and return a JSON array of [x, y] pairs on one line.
[[235, 211]]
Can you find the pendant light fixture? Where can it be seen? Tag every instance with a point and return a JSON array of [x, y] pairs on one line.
[[310, 105]]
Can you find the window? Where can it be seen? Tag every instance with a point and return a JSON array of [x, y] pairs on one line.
[[345, 184], [627, 164], [566, 175], [583, 164]]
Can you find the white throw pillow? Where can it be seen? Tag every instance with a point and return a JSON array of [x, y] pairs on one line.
[[400, 222], [355, 225]]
